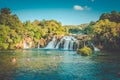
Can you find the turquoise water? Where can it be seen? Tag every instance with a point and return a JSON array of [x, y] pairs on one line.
[[41, 64]]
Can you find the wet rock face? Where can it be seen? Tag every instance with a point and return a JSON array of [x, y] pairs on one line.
[[28, 42], [81, 37], [72, 42], [42, 42], [28, 39]]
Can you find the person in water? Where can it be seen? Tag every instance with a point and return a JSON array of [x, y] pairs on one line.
[[13, 60], [28, 59]]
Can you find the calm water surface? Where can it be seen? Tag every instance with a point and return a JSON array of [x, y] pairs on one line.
[[41, 64]]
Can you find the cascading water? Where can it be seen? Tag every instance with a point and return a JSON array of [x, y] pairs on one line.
[[67, 43], [57, 46], [25, 45], [38, 44], [51, 44], [30, 45], [95, 48], [71, 45]]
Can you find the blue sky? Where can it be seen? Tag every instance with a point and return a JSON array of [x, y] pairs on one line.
[[68, 12]]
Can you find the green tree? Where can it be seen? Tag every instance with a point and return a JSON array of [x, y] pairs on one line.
[[8, 19], [113, 16], [106, 33]]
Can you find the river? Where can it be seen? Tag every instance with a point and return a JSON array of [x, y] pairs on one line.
[[45, 64]]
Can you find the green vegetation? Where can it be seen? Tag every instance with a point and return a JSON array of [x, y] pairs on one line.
[[79, 29], [13, 31], [107, 34], [104, 33], [85, 51], [113, 16]]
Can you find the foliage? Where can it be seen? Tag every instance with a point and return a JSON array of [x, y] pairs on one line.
[[113, 16], [85, 51], [107, 34], [79, 29], [8, 37], [89, 28], [8, 19], [104, 32], [52, 26], [13, 31]]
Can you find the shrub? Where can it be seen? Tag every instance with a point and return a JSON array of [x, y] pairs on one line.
[[4, 45], [85, 51]]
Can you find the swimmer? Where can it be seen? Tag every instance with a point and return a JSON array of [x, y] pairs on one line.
[[48, 52], [28, 59], [13, 60]]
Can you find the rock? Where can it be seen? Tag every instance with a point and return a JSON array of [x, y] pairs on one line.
[[42, 42]]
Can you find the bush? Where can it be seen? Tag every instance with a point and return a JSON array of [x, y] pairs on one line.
[[4, 45], [85, 51]]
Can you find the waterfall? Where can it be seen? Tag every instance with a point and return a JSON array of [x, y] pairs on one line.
[[71, 45], [30, 44], [67, 43], [25, 45], [51, 44], [38, 44], [95, 48], [57, 46]]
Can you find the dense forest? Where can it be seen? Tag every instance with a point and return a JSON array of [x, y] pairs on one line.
[[104, 33]]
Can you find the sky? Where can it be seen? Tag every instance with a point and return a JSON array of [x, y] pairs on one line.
[[68, 12]]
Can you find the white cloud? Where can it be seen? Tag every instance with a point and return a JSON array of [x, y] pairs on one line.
[[80, 8], [77, 7]]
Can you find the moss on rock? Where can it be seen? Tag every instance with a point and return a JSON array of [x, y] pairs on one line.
[[85, 51]]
